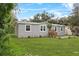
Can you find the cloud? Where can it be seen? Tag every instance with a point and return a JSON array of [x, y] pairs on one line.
[[32, 17], [56, 13], [69, 6], [23, 10], [32, 9]]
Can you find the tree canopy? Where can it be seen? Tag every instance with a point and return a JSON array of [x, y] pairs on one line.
[[5, 18], [74, 18], [41, 17]]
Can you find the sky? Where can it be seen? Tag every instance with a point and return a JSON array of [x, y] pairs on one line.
[[28, 10]]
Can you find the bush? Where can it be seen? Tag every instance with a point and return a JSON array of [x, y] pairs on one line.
[[40, 36], [2, 33], [28, 36]]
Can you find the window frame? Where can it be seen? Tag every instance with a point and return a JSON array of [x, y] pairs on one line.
[[61, 28], [55, 28], [42, 28], [26, 28]]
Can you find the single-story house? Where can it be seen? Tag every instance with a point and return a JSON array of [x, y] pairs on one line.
[[32, 29]]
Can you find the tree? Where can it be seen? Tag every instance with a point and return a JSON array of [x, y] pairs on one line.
[[10, 24], [37, 18], [63, 21], [74, 18], [53, 21], [42, 17], [49, 26], [5, 12]]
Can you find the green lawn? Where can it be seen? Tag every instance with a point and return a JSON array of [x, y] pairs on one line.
[[45, 46]]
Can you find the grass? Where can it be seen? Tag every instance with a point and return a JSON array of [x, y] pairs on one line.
[[45, 46]]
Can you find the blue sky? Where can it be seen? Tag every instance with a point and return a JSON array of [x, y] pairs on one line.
[[28, 10]]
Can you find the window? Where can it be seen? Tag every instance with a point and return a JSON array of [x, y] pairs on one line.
[[55, 28], [61, 28], [27, 27], [42, 28]]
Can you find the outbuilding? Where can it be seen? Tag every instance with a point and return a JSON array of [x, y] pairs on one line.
[[32, 29]]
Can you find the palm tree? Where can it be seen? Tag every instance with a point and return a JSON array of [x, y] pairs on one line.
[[49, 26]]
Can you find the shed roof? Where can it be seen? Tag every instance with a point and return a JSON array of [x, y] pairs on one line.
[[35, 23], [24, 22]]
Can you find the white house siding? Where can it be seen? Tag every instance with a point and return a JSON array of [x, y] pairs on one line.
[[22, 31], [35, 30], [68, 31], [58, 29], [61, 32], [43, 33]]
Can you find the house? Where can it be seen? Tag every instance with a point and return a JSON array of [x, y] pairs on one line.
[[32, 29], [68, 30]]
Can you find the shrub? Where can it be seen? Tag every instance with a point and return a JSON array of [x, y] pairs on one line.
[[28, 37], [40, 36]]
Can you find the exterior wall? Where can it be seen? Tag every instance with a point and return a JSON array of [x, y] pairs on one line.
[[58, 29], [68, 31], [43, 33], [35, 30], [16, 29]]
